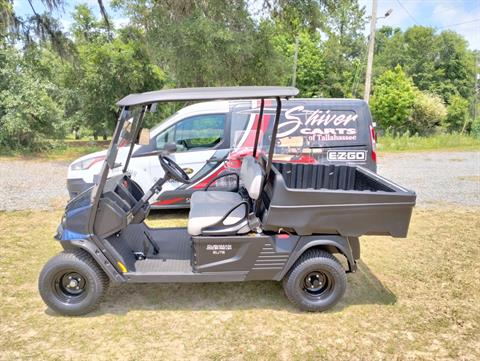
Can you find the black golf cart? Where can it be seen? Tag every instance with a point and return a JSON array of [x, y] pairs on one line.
[[283, 221]]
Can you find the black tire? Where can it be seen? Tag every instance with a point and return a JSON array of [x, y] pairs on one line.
[[72, 283], [316, 282]]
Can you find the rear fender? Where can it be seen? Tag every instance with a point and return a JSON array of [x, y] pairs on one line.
[[305, 243], [97, 255]]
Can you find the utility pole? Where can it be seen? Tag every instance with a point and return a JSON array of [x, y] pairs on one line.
[[295, 60], [371, 47]]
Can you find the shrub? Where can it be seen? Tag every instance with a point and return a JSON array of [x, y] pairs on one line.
[[428, 111]]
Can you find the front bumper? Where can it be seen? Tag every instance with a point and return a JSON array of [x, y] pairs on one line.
[[76, 186]]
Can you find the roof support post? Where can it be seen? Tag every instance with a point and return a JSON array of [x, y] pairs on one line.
[[274, 137], [259, 127], [135, 136]]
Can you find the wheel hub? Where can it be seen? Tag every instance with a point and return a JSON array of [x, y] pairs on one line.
[[315, 282], [71, 284]]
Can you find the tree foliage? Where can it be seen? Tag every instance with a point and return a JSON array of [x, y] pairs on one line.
[[393, 100], [28, 110], [56, 79], [457, 113], [438, 63]]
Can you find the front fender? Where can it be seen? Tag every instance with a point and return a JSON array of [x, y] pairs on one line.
[[307, 242], [97, 255]]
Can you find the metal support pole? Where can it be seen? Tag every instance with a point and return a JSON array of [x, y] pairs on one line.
[[371, 47], [259, 126], [134, 137], [274, 137]]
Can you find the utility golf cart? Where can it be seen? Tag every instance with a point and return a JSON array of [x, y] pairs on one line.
[[282, 221]]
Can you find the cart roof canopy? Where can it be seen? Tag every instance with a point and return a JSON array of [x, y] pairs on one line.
[[224, 93]]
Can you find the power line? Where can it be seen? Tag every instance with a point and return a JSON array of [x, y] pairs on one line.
[[465, 22], [408, 12]]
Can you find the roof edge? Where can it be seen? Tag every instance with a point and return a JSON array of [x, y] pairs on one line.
[[208, 93]]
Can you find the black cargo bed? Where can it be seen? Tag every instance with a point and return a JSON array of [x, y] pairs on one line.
[[330, 199]]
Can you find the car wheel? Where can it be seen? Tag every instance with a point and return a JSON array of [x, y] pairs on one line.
[[316, 282], [72, 283]]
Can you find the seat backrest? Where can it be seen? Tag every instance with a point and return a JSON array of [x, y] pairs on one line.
[[251, 175]]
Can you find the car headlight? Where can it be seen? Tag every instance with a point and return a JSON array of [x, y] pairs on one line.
[[86, 163]]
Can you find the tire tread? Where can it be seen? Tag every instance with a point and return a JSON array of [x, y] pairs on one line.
[[74, 256], [307, 257]]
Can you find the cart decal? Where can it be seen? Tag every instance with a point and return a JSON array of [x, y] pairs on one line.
[[347, 155]]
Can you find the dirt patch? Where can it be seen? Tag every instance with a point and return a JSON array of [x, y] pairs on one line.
[[472, 178]]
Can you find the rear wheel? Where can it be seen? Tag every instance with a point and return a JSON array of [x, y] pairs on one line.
[[72, 283], [316, 282]]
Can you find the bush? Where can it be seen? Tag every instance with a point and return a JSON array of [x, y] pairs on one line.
[[475, 131], [457, 113], [393, 100], [428, 111]]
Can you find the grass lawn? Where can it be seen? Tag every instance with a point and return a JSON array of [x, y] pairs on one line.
[[72, 149], [67, 151], [434, 142], [411, 299]]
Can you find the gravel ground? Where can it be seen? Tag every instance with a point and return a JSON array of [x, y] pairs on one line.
[[32, 184], [439, 178]]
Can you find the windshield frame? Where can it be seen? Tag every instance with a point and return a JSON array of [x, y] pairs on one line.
[[126, 112]]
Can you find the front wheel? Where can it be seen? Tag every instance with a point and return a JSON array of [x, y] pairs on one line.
[[316, 282], [72, 283]]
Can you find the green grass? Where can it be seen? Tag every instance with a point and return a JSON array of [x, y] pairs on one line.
[[67, 151], [71, 149], [411, 299], [435, 142]]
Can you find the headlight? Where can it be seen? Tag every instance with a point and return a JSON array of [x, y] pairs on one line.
[[86, 163]]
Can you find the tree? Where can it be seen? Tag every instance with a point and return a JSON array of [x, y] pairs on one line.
[[28, 112], [438, 63], [39, 27], [454, 66], [345, 43], [104, 71], [204, 43], [457, 113], [310, 65], [393, 99]]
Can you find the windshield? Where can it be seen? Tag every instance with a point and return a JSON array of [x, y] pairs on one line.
[[132, 117]]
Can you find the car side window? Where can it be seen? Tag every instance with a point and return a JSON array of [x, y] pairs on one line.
[[165, 137], [194, 133]]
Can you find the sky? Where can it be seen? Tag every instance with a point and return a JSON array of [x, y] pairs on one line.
[[462, 16]]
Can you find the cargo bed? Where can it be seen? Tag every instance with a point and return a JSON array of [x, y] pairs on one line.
[[330, 199]]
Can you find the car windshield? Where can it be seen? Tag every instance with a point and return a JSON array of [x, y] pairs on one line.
[[132, 117]]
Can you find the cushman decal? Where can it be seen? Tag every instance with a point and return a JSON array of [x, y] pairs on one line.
[[219, 248]]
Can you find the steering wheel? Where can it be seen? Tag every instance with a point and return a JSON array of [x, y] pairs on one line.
[[173, 170]]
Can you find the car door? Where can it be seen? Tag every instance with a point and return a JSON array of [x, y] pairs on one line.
[[199, 139]]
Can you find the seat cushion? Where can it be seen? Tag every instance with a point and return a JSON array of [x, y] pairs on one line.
[[251, 175], [209, 207]]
